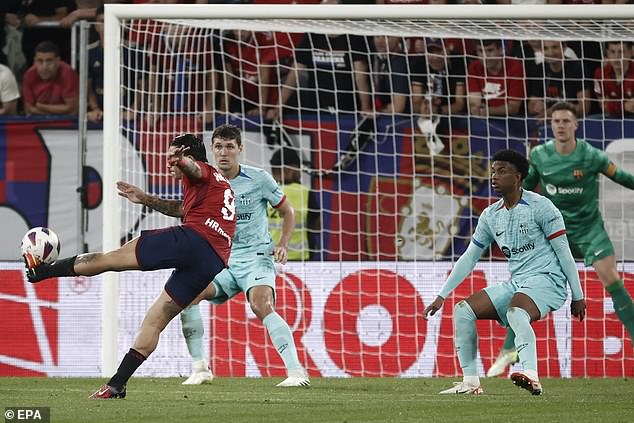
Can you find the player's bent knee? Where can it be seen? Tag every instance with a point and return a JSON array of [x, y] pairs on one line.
[[463, 310]]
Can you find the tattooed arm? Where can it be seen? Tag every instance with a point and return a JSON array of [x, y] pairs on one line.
[[136, 195]]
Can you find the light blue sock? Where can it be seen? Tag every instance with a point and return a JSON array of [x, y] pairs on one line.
[[466, 338], [525, 341], [282, 338], [193, 331]]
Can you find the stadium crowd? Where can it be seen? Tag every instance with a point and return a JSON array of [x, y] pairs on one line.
[[260, 73]]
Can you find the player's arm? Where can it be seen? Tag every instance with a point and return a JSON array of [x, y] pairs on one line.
[[562, 250], [552, 223], [461, 270], [135, 195], [619, 176], [186, 164], [287, 213]]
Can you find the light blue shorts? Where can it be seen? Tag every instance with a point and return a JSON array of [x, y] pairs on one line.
[[548, 291], [243, 274]]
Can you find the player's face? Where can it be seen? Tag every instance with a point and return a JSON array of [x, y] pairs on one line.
[[504, 177], [226, 154], [564, 125]]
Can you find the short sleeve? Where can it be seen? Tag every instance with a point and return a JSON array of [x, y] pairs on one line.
[[271, 191]]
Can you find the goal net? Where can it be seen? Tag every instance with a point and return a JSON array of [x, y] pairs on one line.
[[391, 115]]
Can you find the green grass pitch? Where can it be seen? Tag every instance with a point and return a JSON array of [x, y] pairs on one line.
[[234, 400]]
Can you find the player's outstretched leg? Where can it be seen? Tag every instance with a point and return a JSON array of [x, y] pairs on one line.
[[37, 271], [508, 356], [525, 341], [623, 305], [282, 339], [192, 326], [466, 338]]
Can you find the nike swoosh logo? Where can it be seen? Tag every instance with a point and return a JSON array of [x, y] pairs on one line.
[[549, 173], [499, 233], [598, 252], [261, 277]]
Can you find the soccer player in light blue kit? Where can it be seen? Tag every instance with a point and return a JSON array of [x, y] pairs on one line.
[[530, 231], [251, 264]]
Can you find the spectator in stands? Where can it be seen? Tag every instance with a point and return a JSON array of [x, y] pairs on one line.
[[184, 69], [50, 86], [614, 82], [390, 75], [336, 75], [34, 13], [253, 61], [95, 72], [440, 80], [557, 78], [86, 9], [9, 92], [495, 83]]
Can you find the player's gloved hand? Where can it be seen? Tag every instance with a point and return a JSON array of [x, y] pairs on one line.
[[431, 309], [578, 309]]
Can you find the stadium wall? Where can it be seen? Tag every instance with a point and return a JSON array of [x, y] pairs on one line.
[[361, 320]]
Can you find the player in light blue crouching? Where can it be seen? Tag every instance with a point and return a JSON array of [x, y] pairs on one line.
[[530, 231]]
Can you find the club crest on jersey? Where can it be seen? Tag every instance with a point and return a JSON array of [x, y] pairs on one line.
[[523, 229], [244, 200], [577, 173]]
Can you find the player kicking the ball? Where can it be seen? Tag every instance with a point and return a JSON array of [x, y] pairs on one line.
[[198, 250], [530, 231], [568, 170], [251, 267]]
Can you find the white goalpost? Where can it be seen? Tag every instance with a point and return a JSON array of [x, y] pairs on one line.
[[394, 169]]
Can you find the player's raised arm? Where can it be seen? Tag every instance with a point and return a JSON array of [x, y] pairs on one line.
[[136, 195], [176, 157], [619, 176]]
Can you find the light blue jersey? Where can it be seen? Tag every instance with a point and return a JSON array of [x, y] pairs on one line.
[[532, 236], [523, 234], [254, 190]]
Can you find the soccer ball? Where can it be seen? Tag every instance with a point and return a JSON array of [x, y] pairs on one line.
[[42, 243]]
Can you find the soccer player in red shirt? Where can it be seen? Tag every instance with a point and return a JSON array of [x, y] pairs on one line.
[[495, 84], [50, 86], [198, 250], [614, 82]]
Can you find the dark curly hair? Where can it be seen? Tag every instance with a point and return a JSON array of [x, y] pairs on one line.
[[516, 159], [195, 144]]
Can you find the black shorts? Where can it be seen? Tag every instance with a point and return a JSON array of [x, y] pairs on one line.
[[194, 261]]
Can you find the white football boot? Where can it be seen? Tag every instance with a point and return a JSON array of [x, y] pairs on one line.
[[296, 377], [200, 374], [467, 387], [504, 360]]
